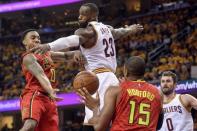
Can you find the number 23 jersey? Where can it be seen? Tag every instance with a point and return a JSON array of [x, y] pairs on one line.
[[103, 53]]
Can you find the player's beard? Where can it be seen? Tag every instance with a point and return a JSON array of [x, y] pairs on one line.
[[167, 90], [83, 24]]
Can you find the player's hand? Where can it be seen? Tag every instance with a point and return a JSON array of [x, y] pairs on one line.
[[122, 79], [134, 28], [41, 49], [92, 103], [53, 95], [79, 58], [93, 120]]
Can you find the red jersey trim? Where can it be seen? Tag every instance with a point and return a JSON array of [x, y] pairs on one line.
[[31, 104]]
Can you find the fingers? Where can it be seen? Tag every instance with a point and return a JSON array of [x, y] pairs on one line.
[[135, 28], [97, 95], [81, 100], [80, 60], [40, 49], [56, 90], [140, 27], [58, 99], [86, 91], [84, 94], [80, 92], [122, 79], [87, 99], [34, 49]]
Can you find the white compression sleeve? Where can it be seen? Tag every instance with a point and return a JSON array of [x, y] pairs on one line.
[[64, 42]]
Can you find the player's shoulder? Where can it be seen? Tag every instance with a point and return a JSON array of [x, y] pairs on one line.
[[185, 97], [28, 58], [84, 30], [110, 27], [113, 90]]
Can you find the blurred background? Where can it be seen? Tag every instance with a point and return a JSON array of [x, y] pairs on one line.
[[168, 42]]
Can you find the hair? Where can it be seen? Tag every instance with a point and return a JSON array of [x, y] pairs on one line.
[[24, 33], [93, 8], [135, 66], [171, 74]]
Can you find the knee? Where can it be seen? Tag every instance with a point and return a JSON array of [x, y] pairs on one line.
[[29, 125]]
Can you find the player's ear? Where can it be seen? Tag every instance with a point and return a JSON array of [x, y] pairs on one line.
[[125, 71], [24, 42]]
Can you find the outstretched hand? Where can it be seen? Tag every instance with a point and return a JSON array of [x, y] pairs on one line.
[[122, 79], [40, 49], [89, 101], [134, 28], [53, 95], [79, 58]]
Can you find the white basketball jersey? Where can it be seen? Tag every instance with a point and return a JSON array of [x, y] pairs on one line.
[[103, 53], [176, 117]]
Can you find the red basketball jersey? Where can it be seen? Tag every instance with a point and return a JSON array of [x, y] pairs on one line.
[[47, 65], [138, 108]]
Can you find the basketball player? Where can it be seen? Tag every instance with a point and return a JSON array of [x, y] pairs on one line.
[[134, 105], [38, 107], [96, 41], [176, 107]]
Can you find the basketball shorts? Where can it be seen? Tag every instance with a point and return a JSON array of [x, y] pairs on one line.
[[106, 79], [38, 106]]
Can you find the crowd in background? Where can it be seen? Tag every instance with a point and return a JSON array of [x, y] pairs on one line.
[[180, 55]]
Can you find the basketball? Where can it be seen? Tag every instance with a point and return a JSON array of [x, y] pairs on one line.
[[86, 79]]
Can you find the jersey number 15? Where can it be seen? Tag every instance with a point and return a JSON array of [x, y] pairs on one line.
[[142, 111]]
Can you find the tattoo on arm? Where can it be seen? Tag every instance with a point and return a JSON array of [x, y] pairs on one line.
[[66, 56], [32, 65], [36, 70], [87, 36]]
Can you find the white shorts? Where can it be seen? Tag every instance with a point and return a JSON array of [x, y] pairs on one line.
[[106, 79]]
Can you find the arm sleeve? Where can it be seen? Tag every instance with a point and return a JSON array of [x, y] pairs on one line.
[[160, 121], [64, 42]]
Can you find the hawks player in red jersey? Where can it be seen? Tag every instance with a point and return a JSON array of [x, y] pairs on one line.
[[134, 105], [38, 107]]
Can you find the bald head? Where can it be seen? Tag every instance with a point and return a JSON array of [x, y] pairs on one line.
[[135, 66], [92, 8]]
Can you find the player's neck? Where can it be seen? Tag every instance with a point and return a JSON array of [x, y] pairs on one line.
[[131, 78], [169, 98]]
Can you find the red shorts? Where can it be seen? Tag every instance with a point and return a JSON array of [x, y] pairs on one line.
[[38, 106]]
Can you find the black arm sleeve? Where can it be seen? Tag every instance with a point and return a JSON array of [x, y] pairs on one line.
[[160, 121]]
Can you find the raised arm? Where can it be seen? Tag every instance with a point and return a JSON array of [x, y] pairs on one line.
[[83, 36], [119, 32], [31, 64], [57, 45], [63, 43]]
